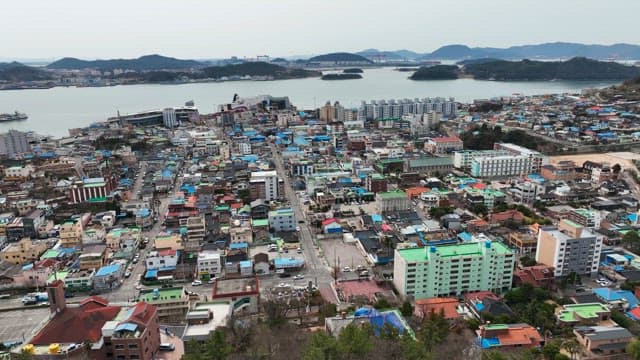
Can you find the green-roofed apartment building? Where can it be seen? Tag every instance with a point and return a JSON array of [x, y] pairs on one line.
[[452, 270]]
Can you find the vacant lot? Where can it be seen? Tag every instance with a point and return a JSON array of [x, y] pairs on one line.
[[625, 159]]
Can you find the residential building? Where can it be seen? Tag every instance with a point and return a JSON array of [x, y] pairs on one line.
[[429, 165], [18, 172], [133, 334], [500, 166], [196, 232], [585, 217], [451, 270], [93, 257], [443, 145], [14, 142], [168, 241], [162, 260], [282, 219], [108, 277], [204, 318], [376, 183], [23, 251], [71, 234], [523, 241], [302, 168], [583, 314], [209, 265], [603, 340], [241, 234], [391, 201], [569, 248], [265, 185], [392, 108], [127, 239], [501, 336], [172, 303], [562, 171], [80, 280]]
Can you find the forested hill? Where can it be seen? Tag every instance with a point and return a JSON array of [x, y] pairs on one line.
[[574, 69]]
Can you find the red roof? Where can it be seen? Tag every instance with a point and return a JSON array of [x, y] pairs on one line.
[[236, 205], [167, 252], [143, 313], [446, 139], [481, 295], [77, 324], [635, 312], [447, 305], [329, 221]]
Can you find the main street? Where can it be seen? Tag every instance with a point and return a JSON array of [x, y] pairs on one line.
[[316, 268]]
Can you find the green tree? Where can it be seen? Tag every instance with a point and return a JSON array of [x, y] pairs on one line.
[[528, 261], [572, 346], [355, 342], [321, 347], [550, 350], [434, 330], [631, 240], [215, 348], [480, 209], [413, 350], [406, 309], [633, 349]]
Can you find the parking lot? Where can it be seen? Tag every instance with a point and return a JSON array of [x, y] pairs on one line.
[[340, 254], [17, 325]]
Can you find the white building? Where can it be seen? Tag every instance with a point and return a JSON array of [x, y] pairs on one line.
[[14, 142], [536, 159], [209, 264], [169, 118], [244, 148], [21, 172], [270, 179], [500, 166], [282, 220], [162, 260]]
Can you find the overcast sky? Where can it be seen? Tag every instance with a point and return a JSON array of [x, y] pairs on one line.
[[45, 29]]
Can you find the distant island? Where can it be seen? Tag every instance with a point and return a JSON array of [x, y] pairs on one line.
[[353, 71], [503, 70], [574, 69], [341, 76], [15, 71], [556, 50], [438, 72], [143, 63], [263, 69]]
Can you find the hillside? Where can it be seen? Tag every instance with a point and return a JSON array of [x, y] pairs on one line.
[[343, 76], [574, 69], [17, 72], [438, 72], [144, 63], [340, 57], [396, 55], [557, 50], [258, 69]]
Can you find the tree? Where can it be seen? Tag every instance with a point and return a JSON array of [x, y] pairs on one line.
[[275, 311], [633, 349], [434, 330], [550, 350], [631, 240], [572, 346], [527, 261], [480, 209], [616, 168], [406, 309], [354, 341], [321, 347], [215, 348]]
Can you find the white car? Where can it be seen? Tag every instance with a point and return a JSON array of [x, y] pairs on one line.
[[346, 269], [138, 287], [298, 277], [196, 283]]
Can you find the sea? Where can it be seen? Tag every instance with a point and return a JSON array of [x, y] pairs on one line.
[[54, 111]]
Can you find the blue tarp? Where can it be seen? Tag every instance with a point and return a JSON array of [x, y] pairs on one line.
[[108, 270], [241, 245], [151, 274], [126, 327]]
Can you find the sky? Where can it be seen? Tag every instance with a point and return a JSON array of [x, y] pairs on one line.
[[207, 29]]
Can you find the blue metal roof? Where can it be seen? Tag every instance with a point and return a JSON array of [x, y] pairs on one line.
[[242, 245], [108, 270], [151, 274], [126, 327]]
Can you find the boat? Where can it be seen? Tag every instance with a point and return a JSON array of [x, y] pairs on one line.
[[13, 117]]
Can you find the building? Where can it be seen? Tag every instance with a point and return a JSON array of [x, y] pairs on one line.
[[14, 142], [536, 159], [282, 220], [26, 250], [92, 189], [243, 293], [391, 201], [603, 340], [500, 166], [71, 234], [562, 171], [443, 145], [376, 183], [93, 257], [18, 172], [265, 185], [108, 277], [123, 239], [172, 303], [168, 241], [585, 217], [162, 260], [209, 265], [451, 270], [392, 108], [429, 165], [241, 235], [464, 158], [169, 118], [134, 334], [523, 241], [569, 248], [501, 336], [583, 314], [204, 318], [196, 232], [302, 168]]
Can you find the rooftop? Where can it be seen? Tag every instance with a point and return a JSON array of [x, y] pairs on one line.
[[575, 312], [459, 250], [389, 195], [226, 287], [156, 295]]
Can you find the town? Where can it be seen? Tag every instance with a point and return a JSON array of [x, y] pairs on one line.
[[504, 228]]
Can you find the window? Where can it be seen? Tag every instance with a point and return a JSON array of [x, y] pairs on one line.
[[133, 346], [119, 347]]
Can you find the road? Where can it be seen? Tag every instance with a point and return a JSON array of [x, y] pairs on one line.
[[316, 268]]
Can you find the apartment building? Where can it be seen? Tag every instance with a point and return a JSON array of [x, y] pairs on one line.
[[71, 234], [536, 159], [14, 142], [91, 189], [172, 303], [209, 265], [282, 219], [451, 270], [500, 166], [23, 251], [569, 248], [585, 217], [241, 234], [265, 185], [196, 231]]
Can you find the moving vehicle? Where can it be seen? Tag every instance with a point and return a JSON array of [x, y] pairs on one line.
[[346, 269], [298, 277], [211, 281], [167, 347], [196, 283]]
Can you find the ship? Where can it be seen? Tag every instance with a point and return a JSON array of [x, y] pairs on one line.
[[13, 117]]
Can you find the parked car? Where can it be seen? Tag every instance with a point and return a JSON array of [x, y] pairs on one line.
[[167, 347], [196, 283], [346, 269], [298, 277], [138, 287], [284, 275], [211, 281], [127, 274]]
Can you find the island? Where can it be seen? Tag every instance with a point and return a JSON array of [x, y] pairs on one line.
[[578, 68], [438, 72], [258, 69], [341, 76]]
